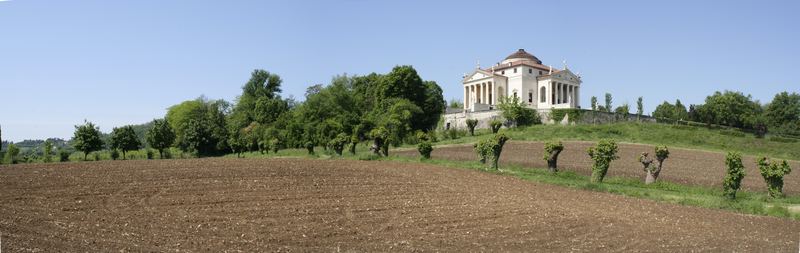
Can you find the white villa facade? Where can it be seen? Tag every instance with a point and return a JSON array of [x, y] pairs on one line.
[[519, 75]]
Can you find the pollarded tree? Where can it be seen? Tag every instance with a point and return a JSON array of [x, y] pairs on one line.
[[338, 143], [380, 144], [124, 138], [773, 173], [662, 153], [87, 138], [551, 152], [425, 148], [495, 125], [491, 148], [602, 155], [734, 175], [471, 123]]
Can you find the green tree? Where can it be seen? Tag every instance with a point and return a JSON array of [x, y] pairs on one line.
[[551, 151], [404, 82], [664, 111], [200, 126], [517, 112], [729, 108], [124, 139], [773, 173], [594, 103], [608, 102], [602, 154], [160, 136], [87, 138], [47, 151], [11, 154], [639, 108], [471, 123], [783, 113], [623, 110], [734, 175], [680, 111], [455, 104]]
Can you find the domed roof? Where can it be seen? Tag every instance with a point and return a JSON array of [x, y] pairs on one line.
[[521, 54]]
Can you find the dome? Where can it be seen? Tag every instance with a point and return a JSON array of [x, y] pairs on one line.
[[522, 55]]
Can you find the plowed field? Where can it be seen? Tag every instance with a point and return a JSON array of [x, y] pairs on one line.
[[683, 166], [338, 205]]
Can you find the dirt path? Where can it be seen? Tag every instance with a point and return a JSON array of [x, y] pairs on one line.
[[315, 205], [683, 166]]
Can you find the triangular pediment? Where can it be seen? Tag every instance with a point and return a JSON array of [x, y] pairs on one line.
[[477, 75], [566, 74]]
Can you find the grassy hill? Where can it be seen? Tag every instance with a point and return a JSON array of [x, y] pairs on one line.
[[657, 134]]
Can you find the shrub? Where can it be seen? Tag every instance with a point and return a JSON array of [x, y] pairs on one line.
[[471, 123], [602, 155], [495, 125], [491, 148], [735, 173], [114, 154], [551, 151], [63, 155], [96, 156], [150, 154], [425, 149], [773, 173]]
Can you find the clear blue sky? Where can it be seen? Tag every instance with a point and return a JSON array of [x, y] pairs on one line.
[[125, 62]]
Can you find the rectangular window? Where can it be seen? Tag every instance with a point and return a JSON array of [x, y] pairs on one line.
[[540, 72], [530, 71], [515, 70], [530, 97]]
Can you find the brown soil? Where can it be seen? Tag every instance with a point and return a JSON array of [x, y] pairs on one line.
[[693, 167], [316, 205]]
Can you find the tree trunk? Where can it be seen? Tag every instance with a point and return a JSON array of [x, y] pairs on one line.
[[552, 161], [161, 153], [651, 177], [123, 155]]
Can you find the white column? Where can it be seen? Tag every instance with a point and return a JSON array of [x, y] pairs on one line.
[[483, 93], [558, 94], [466, 99], [492, 93]]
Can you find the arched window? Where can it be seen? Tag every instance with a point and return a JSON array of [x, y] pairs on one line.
[[543, 95]]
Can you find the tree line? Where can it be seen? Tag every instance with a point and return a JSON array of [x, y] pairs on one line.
[[385, 108]]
